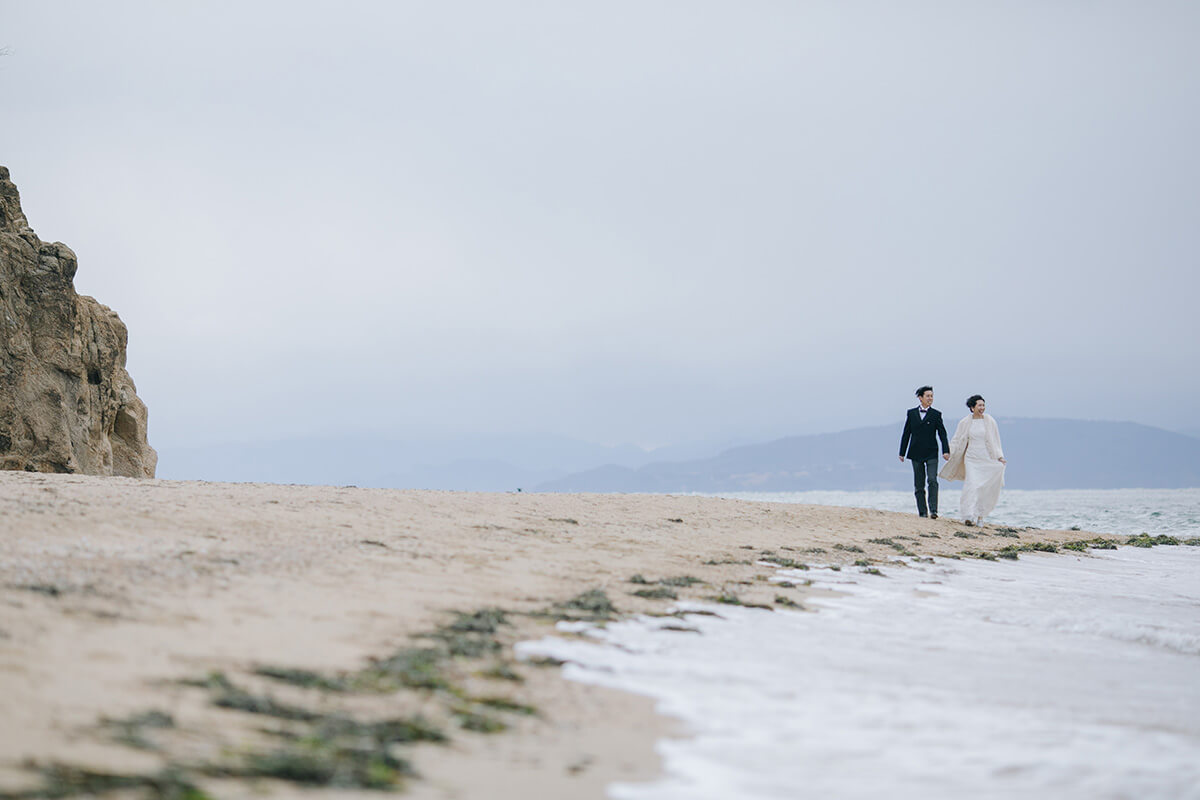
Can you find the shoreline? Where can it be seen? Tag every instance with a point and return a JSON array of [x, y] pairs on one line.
[[113, 592]]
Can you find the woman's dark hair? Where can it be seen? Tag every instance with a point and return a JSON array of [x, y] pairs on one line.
[[972, 400], [923, 390]]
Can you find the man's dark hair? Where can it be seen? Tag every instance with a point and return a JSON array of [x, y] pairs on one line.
[[972, 400], [923, 390]]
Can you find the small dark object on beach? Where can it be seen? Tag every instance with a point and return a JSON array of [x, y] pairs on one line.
[[373, 543], [303, 678], [657, 593], [409, 667], [471, 635], [1074, 528], [638, 579], [130, 731], [590, 605], [782, 561], [503, 672], [965, 535], [505, 704], [41, 588], [786, 602], [238, 699], [849, 548], [485, 620], [675, 519], [480, 723], [680, 580], [545, 661]]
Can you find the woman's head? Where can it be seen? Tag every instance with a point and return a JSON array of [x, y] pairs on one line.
[[975, 400]]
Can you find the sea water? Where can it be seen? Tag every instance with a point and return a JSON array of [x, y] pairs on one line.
[[1055, 676], [1124, 511]]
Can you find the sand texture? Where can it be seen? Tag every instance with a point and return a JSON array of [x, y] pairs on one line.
[[248, 639]]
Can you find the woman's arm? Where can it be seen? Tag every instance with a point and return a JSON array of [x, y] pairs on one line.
[[995, 431]]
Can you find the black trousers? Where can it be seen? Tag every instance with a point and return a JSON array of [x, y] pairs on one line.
[[925, 472]]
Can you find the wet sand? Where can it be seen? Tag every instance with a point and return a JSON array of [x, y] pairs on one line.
[[121, 597]]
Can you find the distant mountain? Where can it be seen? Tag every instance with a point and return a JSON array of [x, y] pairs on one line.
[[1042, 454], [467, 462]]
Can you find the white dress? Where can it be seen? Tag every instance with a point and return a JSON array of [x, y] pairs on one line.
[[984, 475]]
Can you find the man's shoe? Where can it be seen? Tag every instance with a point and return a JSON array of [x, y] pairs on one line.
[[933, 515], [922, 516], [968, 523]]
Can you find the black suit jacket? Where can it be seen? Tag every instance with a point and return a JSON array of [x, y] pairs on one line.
[[919, 440]]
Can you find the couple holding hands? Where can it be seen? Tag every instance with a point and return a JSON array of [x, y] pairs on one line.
[[974, 456]]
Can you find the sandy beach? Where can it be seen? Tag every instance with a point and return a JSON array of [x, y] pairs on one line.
[[186, 634]]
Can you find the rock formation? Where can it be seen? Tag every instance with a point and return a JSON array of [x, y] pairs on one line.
[[66, 402]]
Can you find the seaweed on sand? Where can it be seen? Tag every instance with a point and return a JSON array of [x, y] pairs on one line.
[[592, 605], [1146, 540], [730, 599], [304, 678], [657, 593], [131, 731], [320, 762], [408, 667], [781, 561], [66, 780]]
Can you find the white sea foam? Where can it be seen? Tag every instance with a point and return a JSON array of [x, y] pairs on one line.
[[1057, 676]]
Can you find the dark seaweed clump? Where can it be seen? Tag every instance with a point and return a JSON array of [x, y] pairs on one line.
[[64, 780], [592, 605], [1146, 540], [657, 593]]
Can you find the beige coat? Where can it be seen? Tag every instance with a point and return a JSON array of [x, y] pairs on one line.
[[954, 470]]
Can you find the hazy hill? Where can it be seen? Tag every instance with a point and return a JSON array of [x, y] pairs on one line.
[[475, 462], [1042, 454]]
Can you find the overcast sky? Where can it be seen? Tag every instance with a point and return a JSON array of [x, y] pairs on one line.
[[651, 222]]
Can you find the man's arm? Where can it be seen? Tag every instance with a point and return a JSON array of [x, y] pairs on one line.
[[941, 430], [905, 436]]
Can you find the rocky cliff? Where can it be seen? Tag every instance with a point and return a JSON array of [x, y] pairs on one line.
[[66, 402]]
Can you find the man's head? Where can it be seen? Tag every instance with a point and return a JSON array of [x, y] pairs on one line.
[[925, 395]]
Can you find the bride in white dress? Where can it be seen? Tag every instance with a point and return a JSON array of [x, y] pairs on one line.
[[977, 459]]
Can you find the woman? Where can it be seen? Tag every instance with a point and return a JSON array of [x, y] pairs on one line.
[[977, 459]]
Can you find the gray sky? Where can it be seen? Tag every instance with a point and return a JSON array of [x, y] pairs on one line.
[[622, 221]]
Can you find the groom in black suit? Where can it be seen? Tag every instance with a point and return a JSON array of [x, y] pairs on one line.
[[922, 428]]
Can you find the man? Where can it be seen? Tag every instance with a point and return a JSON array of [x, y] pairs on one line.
[[922, 428]]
